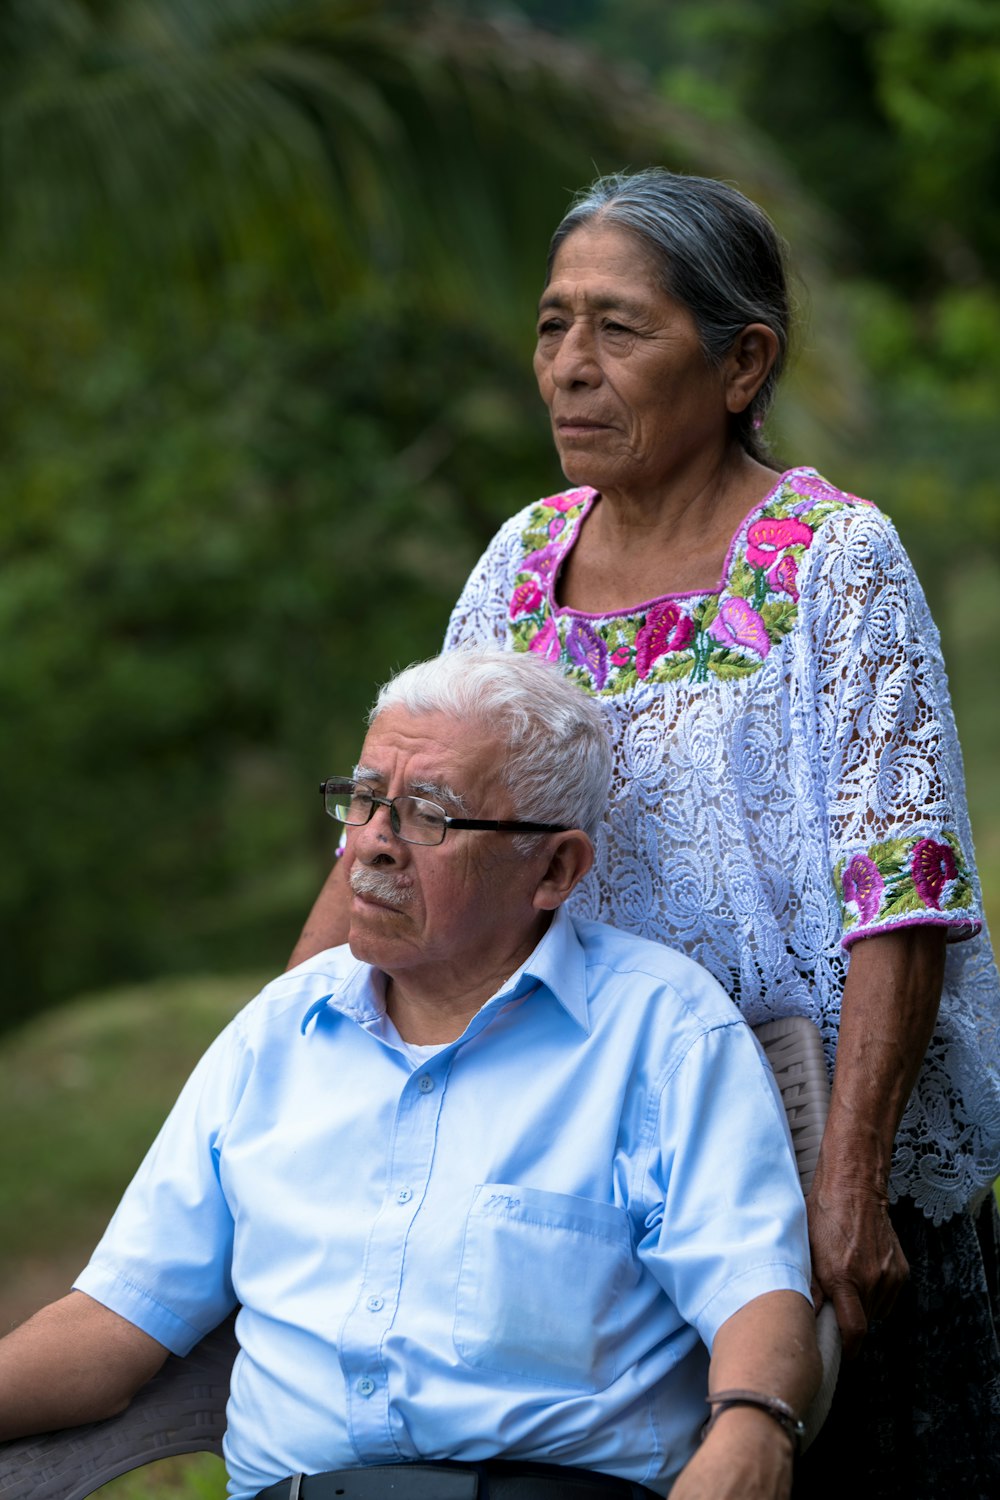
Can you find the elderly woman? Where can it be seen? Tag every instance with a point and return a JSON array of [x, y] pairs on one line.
[[788, 805]]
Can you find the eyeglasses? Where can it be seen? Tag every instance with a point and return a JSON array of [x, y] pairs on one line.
[[412, 819]]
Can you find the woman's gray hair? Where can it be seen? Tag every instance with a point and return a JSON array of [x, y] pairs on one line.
[[554, 756], [716, 252]]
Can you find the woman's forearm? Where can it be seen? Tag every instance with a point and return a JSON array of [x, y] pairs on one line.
[[327, 924], [889, 1009], [888, 1012]]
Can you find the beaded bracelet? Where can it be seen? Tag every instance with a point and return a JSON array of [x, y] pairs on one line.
[[775, 1408]]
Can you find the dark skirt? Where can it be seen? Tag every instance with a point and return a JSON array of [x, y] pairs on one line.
[[917, 1415]]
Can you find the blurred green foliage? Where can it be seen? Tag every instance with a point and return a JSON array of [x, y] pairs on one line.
[[216, 543], [268, 280], [83, 1090], [197, 1477]]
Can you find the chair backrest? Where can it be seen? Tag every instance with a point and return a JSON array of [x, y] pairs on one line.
[[183, 1408], [794, 1049]]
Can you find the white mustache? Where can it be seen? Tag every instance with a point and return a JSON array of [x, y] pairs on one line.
[[383, 887]]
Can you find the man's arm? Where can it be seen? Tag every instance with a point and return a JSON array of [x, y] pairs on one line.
[[73, 1362], [768, 1347], [328, 922]]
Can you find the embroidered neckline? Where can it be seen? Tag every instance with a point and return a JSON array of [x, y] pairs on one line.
[[727, 631]]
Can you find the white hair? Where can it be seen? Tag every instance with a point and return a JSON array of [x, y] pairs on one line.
[[554, 756]]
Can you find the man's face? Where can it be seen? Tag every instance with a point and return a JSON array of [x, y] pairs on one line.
[[439, 916]]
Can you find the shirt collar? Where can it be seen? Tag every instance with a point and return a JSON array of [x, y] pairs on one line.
[[557, 963]]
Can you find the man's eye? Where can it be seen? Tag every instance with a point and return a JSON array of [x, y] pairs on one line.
[[618, 328], [550, 326]]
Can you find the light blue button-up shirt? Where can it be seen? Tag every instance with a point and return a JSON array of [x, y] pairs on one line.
[[519, 1245]]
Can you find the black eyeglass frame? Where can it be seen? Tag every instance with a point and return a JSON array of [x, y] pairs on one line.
[[489, 825]]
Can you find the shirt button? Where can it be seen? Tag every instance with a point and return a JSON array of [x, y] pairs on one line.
[[426, 1084], [404, 1195], [375, 1304], [365, 1386]]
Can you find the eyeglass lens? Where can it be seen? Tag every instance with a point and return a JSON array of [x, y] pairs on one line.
[[412, 818]]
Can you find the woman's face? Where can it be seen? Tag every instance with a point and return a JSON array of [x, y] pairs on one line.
[[634, 403]]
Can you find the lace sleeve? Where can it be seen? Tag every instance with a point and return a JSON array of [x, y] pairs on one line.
[[891, 769], [480, 615]]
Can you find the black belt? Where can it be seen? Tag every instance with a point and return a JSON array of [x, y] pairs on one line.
[[497, 1479]]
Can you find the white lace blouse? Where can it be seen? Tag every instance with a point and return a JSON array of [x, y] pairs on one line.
[[787, 779]]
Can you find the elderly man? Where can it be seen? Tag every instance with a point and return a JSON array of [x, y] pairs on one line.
[[487, 1182]]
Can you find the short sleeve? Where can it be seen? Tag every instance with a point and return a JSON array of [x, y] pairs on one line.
[[480, 615], [889, 762], [164, 1262], [729, 1221]]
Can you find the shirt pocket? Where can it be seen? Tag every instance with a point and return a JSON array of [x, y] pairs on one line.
[[540, 1286]]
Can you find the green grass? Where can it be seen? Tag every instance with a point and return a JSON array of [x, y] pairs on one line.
[[198, 1477], [83, 1090]]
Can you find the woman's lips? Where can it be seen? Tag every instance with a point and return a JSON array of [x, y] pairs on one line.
[[579, 427]]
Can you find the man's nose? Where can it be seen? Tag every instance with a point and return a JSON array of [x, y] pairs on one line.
[[376, 840]]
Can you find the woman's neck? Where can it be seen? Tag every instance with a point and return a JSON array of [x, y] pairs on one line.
[[632, 548]]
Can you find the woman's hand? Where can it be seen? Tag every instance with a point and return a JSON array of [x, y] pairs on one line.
[[857, 1261], [746, 1456]]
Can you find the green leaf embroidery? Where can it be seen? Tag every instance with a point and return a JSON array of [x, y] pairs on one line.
[[779, 616], [741, 580], [904, 899], [626, 678], [670, 668], [735, 667], [706, 612]]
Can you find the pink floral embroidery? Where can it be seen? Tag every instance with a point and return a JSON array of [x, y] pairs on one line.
[[566, 501], [683, 635], [526, 597], [770, 535], [933, 867], [863, 886], [543, 563], [784, 576], [757, 608], [586, 649], [546, 643], [739, 624], [821, 489], [666, 629]]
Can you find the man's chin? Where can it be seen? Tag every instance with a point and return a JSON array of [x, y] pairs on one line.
[[373, 930]]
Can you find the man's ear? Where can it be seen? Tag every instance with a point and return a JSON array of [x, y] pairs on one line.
[[570, 857], [748, 364]]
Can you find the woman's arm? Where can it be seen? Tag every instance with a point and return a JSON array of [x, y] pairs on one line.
[[73, 1362], [328, 922], [768, 1347], [888, 1012]]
